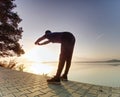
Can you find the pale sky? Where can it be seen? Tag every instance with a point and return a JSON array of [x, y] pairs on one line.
[[95, 24]]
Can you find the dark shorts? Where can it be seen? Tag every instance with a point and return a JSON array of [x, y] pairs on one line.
[[67, 45], [68, 38]]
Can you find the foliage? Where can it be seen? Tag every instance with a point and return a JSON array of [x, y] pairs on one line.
[[12, 64], [10, 32], [8, 64], [45, 75], [21, 67]]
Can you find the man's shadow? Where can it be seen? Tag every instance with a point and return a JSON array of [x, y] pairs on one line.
[[65, 89]]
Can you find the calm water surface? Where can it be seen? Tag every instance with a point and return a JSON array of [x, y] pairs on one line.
[[107, 74]]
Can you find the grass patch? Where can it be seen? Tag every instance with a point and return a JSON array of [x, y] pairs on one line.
[[12, 64]]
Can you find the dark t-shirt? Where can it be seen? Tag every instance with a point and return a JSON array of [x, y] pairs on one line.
[[54, 37], [59, 37]]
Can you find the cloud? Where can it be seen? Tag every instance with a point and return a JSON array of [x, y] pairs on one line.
[[99, 36]]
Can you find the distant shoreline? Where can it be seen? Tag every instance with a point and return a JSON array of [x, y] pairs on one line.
[[107, 61]]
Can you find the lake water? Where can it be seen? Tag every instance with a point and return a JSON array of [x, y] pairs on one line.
[[107, 74]]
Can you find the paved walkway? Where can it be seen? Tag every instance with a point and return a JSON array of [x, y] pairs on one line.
[[19, 84]]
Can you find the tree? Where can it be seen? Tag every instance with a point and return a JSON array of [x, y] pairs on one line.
[[10, 32]]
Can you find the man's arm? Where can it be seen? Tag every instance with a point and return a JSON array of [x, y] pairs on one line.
[[40, 39], [43, 43]]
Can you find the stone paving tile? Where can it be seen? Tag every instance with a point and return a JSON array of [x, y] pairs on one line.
[[18, 94], [115, 95], [9, 95], [91, 95], [91, 91], [36, 93], [20, 84]]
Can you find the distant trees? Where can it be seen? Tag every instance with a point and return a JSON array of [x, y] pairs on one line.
[[10, 32]]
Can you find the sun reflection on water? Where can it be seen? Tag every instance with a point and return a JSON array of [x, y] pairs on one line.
[[40, 68]]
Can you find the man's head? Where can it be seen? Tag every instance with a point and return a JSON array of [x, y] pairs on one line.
[[47, 32]]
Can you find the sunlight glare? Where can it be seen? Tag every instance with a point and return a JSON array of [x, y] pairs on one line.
[[41, 54], [39, 68]]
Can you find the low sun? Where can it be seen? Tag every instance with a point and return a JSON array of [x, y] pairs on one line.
[[41, 54]]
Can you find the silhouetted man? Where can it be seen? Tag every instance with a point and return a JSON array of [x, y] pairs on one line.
[[67, 41]]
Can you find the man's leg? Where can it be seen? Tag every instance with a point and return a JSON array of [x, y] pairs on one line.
[[68, 64], [62, 58], [68, 60], [61, 63]]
